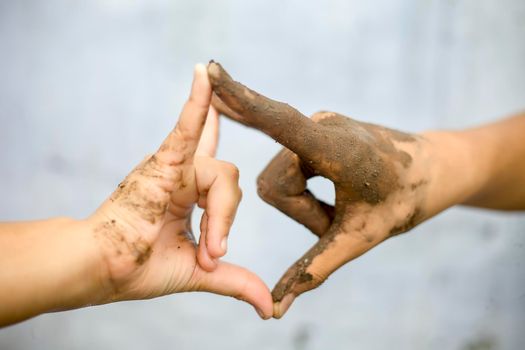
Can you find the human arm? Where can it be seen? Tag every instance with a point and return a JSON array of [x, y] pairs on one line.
[[48, 265], [139, 243]]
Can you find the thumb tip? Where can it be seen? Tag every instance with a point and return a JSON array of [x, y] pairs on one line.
[[280, 307], [199, 67]]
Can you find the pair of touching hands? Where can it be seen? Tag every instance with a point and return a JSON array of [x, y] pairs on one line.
[[386, 182], [139, 244], [144, 227]]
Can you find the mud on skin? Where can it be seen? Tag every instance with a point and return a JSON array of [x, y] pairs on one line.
[[367, 163], [131, 194], [114, 234], [134, 197]]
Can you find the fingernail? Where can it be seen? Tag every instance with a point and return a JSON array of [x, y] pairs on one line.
[[199, 67], [280, 307], [260, 313], [224, 245]]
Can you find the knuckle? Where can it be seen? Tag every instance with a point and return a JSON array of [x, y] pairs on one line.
[[183, 134], [364, 236], [231, 170], [317, 279], [228, 220], [239, 193]]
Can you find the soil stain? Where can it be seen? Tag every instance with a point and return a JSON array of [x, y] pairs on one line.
[[363, 160], [132, 195], [116, 238]]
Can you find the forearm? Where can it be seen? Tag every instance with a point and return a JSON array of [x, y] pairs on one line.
[[483, 167], [499, 150], [45, 266]]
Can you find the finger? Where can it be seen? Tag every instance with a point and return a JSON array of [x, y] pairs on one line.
[[218, 180], [334, 249], [240, 283], [203, 258], [283, 185], [181, 143], [223, 109], [210, 135], [278, 120]]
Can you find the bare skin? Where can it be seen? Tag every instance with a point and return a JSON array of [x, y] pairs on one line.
[[386, 181], [139, 244]]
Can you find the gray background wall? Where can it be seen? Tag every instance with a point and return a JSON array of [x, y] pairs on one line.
[[88, 88]]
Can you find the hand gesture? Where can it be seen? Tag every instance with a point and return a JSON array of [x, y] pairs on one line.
[[380, 176], [144, 228]]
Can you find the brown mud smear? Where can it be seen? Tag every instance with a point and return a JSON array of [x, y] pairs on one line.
[[360, 156], [120, 245], [130, 194], [297, 274], [363, 160]]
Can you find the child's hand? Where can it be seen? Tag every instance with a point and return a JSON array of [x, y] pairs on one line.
[[144, 228]]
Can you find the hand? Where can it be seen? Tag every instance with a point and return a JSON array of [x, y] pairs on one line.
[[144, 228], [382, 179]]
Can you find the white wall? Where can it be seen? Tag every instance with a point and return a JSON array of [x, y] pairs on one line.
[[88, 88]]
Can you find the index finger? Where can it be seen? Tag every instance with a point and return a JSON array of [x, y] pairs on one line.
[[278, 120], [182, 142]]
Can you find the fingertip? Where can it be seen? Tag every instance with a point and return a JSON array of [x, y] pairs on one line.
[[213, 70], [282, 306], [206, 262], [240, 283], [262, 303], [201, 86], [224, 244], [255, 292], [261, 314], [201, 73], [200, 69], [217, 244], [218, 231]]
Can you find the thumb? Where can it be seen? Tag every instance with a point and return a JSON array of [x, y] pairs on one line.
[[235, 281], [335, 248]]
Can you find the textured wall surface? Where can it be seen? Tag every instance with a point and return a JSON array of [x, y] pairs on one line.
[[88, 88]]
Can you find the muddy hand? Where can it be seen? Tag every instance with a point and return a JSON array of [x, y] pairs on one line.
[[144, 228], [380, 177]]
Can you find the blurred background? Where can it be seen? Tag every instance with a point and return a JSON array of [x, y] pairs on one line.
[[87, 88]]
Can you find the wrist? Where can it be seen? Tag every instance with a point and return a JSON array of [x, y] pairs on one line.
[[78, 279], [455, 173], [84, 278], [93, 273], [56, 257]]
